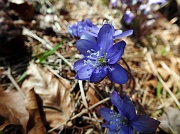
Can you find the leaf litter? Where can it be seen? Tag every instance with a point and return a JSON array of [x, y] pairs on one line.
[[60, 104], [13, 109], [54, 93], [35, 124]]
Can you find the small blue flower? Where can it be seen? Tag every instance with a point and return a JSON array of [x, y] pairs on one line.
[[125, 119], [113, 3], [77, 29], [130, 2], [117, 33], [87, 30], [101, 57], [147, 7], [128, 16]]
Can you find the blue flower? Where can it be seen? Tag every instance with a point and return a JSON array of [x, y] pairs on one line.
[[113, 3], [87, 30], [77, 29], [147, 7], [100, 58], [125, 119], [117, 33], [128, 16], [130, 2]]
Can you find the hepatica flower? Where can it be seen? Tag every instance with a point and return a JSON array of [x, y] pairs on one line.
[[78, 29], [87, 30], [125, 119], [128, 16], [130, 2], [147, 7], [117, 33], [113, 3], [101, 57]]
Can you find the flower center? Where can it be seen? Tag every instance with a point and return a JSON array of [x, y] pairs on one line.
[[96, 59], [118, 120], [102, 61]]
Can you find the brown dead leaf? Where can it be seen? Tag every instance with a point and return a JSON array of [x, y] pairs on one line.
[[13, 129], [91, 96], [12, 109], [35, 124], [54, 92]]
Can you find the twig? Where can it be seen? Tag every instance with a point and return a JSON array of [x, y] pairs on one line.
[[46, 44], [70, 115], [15, 83], [167, 102], [54, 72], [169, 70], [81, 113], [74, 85], [90, 108], [95, 117], [83, 94], [161, 80]]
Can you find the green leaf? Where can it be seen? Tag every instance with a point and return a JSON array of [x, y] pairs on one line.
[[48, 53], [22, 77], [158, 90]]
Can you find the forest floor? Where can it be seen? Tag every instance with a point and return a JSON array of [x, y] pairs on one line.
[[38, 91]]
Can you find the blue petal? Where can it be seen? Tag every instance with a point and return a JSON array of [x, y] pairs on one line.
[[117, 74], [144, 124], [84, 45], [124, 106], [124, 34], [79, 64], [113, 3], [110, 126], [84, 73], [94, 29], [116, 100], [112, 132], [126, 130], [91, 26], [81, 26], [117, 32], [98, 74], [115, 52], [106, 113], [128, 16], [90, 33], [128, 108], [105, 37], [73, 30], [107, 124], [88, 22], [88, 37]]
